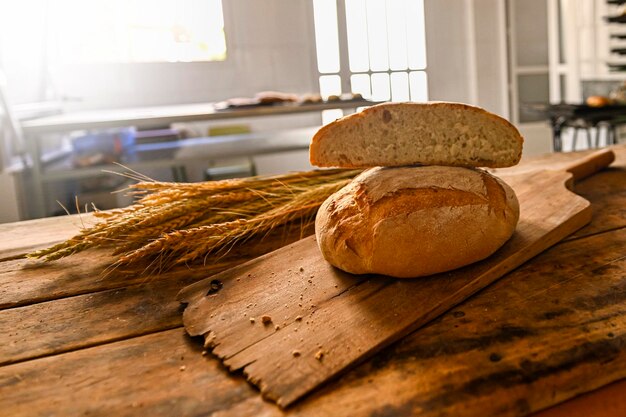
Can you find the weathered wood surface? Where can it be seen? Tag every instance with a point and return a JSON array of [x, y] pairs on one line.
[[22, 237], [324, 321], [509, 351], [141, 375], [86, 320], [161, 374], [24, 282], [27, 281]]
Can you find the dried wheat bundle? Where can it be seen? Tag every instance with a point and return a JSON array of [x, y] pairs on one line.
[[184, 223]]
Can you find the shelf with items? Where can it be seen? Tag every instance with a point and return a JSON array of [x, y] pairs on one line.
[[174, 154], [43, 175]]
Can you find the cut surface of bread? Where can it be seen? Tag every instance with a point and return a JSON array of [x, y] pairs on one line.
[[436, 133]]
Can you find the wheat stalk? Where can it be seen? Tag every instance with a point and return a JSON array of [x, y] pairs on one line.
[[182, 223]]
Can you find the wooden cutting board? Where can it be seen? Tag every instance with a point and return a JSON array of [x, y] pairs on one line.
[[291, 322]]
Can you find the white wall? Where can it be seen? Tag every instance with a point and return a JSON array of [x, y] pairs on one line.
[[491, 56], [447, 55], [466, 52]]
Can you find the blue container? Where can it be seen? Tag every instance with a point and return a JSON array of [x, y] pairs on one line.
[[104, 146]]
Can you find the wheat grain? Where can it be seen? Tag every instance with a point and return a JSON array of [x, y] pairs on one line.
[[174, 223]]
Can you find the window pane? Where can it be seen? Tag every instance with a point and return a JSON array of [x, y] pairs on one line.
[[330, 85], [396, 32], [416, 33], [399, 86], [361, 84], [380, 87], [418, 85], [356, 26], [326, 37], [377, 35], [135, 31], [532, 88], [331, 115]]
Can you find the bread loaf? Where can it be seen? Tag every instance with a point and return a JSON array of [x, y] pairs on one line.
[[598, 101], [415, 221], [438, 133]]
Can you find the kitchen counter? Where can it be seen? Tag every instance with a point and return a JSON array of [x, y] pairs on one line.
[[75, 342]]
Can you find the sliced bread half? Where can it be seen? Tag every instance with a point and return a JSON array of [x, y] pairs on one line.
[[436, 133]]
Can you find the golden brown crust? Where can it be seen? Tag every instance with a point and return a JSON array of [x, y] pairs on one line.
[[451, 217]]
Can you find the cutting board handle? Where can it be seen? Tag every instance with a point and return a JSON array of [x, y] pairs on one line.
[[589, 165]]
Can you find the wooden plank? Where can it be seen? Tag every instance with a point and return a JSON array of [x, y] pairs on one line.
[[161, 374], [562, 299], [608, 401], [539, 337], [339, 328], [17, 239], [26, 281], [607, 192], [559, 161], [77, 322], [606, 189]]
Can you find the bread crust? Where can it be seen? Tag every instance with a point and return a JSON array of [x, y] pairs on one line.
[[434, 133], [416, 221]]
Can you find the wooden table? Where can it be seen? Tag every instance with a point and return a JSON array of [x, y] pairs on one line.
[[74, 343]]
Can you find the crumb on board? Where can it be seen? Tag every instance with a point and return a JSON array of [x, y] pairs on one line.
[[319, 355], [265, 319], [301, 269], [298, 318], [205, 352], [182, 368], [295, 353], [277, 327], [252, 320]]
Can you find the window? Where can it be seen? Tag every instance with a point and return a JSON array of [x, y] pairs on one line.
[[373, 47], [127, 31]]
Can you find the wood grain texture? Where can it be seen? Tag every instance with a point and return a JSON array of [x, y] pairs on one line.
[[26, 281], [606, 188], [536, 338], [162, 374], [332, 321], [547, 333], [86, 320], [17, 239], [608, 401]]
